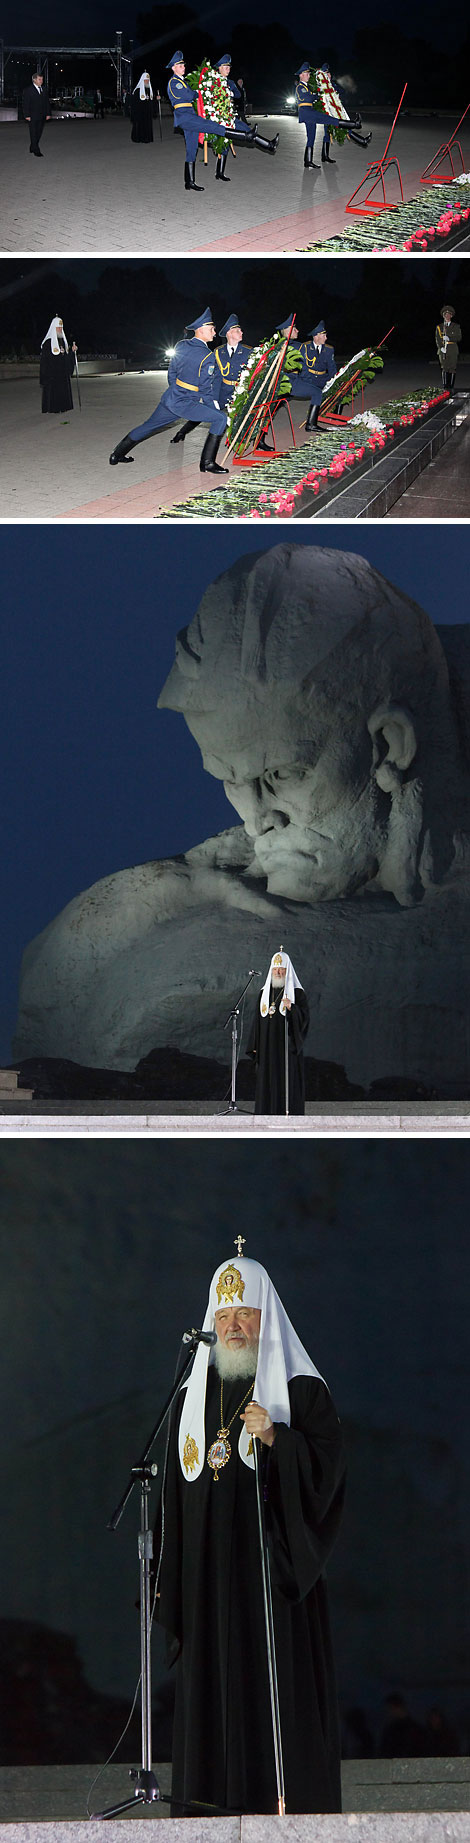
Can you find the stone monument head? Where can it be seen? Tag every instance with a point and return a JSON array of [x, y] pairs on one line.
[[319, 693]]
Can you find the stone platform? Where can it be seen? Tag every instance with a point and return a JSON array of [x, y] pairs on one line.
[[48, 1121], [57, 466], [382, 1799], [95, 190]]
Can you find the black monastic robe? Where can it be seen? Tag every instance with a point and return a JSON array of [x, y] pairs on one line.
[[55, 372], [266, 1044], [142, 118], [211, 1604]]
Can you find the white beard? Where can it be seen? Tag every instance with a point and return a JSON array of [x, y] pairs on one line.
[[233, 1363]]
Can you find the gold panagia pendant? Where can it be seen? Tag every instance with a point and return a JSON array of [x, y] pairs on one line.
[[219, 1453]]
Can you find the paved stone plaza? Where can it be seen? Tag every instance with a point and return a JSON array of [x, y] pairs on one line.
[[58, 467], [95, 190]]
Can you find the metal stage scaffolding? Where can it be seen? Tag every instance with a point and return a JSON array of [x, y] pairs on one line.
[[121, 60]]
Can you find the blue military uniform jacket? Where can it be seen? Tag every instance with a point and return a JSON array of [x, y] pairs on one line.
[[182, 99], [230, 364], [304, 101], [191, 377], [318, 368]]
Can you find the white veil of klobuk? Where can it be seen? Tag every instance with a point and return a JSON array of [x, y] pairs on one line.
[[144, 87], [280, 1357], [53, 336], [283, 964]]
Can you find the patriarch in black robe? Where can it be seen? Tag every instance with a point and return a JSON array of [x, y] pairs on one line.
[[257, 1381], [56, 368], [142, 109], [276, 1039]]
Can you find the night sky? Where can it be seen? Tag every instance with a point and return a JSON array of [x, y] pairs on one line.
[[96, 778], [95, 21]]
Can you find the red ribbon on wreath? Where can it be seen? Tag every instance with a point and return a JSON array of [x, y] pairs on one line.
[[200, 104], [259, 366]]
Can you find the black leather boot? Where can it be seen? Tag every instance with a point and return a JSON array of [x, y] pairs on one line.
[[242, 140], [190, 180], [266, 446], [121, 453], [268, 147], [312, 417], [325, 153], [184, 431], [208, 463], [220, 166], [361, 140]]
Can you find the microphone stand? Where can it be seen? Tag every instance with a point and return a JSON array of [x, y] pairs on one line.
[[286, 1058], [232, 1018], [146, 1787], [270, 1638]]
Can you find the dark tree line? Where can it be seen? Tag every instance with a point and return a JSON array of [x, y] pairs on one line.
[[136, 312]]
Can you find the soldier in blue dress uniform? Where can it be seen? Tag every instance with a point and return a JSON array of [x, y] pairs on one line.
[[229, 362], [230, 359], [362, 140], [318, 367], [191, 379], [182, 99], [308, 111], [269, 147]]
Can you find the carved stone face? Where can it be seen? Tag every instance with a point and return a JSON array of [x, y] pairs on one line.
[[318, 831], [319, 694]]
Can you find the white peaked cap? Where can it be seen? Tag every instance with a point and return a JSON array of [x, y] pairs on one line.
[[280, 1357], [140, 86], [52, 335], [280, 960]]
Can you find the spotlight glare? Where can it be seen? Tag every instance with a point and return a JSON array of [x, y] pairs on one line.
[[170, 351]]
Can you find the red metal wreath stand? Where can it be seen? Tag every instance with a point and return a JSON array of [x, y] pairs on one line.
[[327, 418], [375, 176], [263, 416], [444, 152]]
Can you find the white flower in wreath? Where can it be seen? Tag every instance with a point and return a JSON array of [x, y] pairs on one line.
[[463, 179], [371, 421]]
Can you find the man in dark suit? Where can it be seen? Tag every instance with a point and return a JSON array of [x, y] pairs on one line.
[[35, 104]]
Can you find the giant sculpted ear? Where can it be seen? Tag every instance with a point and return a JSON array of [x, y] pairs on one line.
[[394, 745]]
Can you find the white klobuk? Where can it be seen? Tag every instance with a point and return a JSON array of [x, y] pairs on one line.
[[280, 1357]]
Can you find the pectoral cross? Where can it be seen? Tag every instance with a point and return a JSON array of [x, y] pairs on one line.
[[239, 1244]]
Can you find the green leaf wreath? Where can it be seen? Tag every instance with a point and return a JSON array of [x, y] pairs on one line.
[[217, 98]]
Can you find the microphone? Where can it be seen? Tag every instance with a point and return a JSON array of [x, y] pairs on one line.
[[255, 973], [199, 1337]]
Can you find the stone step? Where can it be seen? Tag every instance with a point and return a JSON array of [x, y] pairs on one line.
[[386, 1793], [406, 1828], [9, 1087]]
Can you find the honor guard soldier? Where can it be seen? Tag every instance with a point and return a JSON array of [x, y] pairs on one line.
[[190, 377], [362, 140], [308, 112], [230, 359], [268, 147], [318, 367], [182, 102]]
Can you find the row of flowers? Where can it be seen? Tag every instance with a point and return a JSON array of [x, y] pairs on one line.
[[277, 491], [423, 223]]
